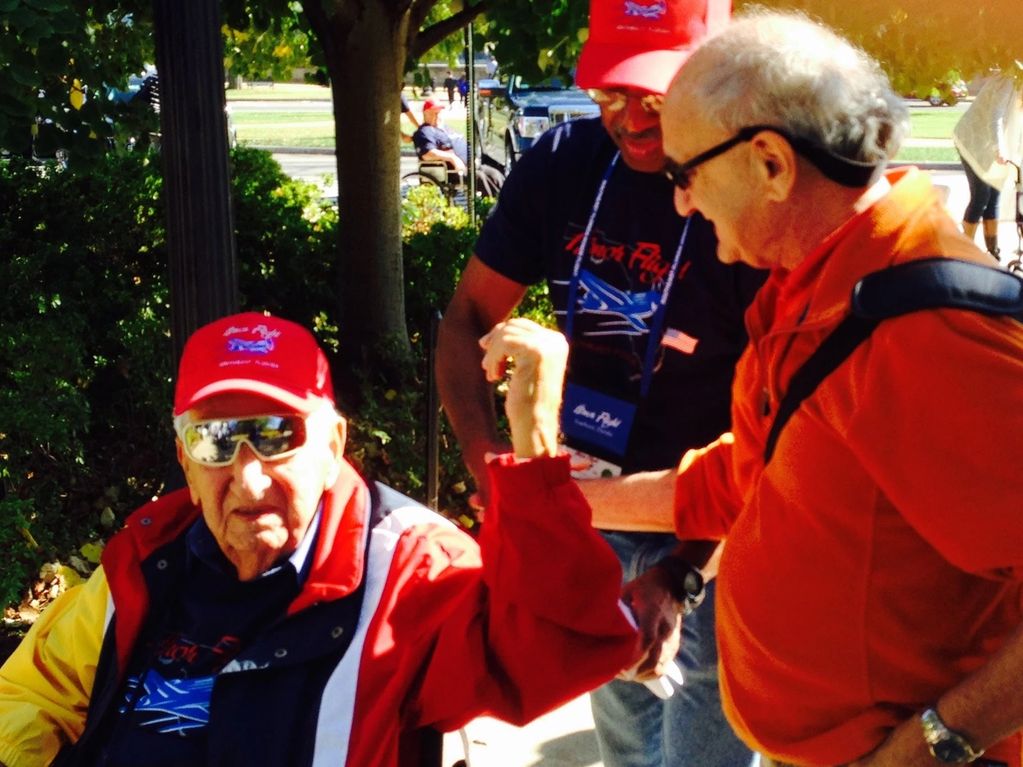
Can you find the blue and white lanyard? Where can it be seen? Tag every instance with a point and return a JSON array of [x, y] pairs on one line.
[[658, 320]]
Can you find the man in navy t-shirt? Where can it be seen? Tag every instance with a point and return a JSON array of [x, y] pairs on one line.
[[434, 144], [655, 324]]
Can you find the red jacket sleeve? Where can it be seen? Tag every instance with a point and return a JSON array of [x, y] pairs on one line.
[[540, 623]]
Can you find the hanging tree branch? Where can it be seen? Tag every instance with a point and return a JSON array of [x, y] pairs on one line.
[[430, 36]]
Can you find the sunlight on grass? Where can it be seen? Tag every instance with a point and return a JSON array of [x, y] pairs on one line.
[[915, 154], [279, 92], [286, 130], [932, 122], [296, 116], [297, 126]]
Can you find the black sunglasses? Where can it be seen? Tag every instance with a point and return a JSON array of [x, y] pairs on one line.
[[680, 173], [840, 169]]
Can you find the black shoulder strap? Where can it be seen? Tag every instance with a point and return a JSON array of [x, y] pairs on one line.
[[930, 283]]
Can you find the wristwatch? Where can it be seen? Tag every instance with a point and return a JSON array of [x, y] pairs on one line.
[[947, 746], [684, 581]]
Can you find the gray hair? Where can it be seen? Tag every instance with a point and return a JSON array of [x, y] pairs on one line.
[[783, 69]]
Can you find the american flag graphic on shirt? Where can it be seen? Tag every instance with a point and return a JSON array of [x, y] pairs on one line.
[[679, 341]]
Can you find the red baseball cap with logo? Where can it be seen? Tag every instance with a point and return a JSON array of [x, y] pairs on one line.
[[642, 43], [431, 104], [252, 353]]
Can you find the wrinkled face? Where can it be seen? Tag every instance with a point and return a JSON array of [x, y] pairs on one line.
[[259, 509], [636, 128], [431, 116], [723, 189]]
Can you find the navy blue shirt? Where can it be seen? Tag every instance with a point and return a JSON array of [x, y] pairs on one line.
[[534, 234], [429, 137], [163, 716]]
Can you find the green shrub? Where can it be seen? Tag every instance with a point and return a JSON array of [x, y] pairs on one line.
[[389, 429], [285, 239], [82, 264], [85, 353]]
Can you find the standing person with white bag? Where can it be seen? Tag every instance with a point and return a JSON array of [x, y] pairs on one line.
[[988, 137]]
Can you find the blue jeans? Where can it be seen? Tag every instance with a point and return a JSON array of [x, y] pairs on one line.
[[635, 728]]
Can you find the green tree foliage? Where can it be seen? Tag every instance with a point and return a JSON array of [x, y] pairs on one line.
[[920, 41], [83, 355], [364, 47], [538, 39], [270, 53], [57, 59]]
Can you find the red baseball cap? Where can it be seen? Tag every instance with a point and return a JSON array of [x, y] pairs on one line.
[[642, 43], [431, 104], [254, 354]]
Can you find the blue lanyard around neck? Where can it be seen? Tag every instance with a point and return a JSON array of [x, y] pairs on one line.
[[654, 337]]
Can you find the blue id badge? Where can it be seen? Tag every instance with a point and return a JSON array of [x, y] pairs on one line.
[[596, 419]]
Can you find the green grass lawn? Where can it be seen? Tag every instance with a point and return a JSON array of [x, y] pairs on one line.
[[293, 127], [933, 122], [918, 154], [279, 92]]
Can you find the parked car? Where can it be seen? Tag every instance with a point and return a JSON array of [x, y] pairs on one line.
[[950, 92], [511, 113]]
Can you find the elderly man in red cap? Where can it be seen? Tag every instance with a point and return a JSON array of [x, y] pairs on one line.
[[655, 326], [282, 611], [435, 144]]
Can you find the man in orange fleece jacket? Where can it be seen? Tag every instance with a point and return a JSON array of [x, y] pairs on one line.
[[869, 595]]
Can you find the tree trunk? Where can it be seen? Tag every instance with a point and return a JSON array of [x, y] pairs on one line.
[[365, 72]]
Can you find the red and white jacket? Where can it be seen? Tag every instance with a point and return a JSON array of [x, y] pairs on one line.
[[447, 630]]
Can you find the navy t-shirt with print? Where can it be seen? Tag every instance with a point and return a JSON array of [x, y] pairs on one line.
[[430, 137], [211, 617], [534, 234]]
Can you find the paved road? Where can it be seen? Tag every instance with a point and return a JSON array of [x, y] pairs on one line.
[[959, 195], [321, 168], [562, 738]]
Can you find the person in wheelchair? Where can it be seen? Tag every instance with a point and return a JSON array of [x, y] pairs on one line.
[[434, 144]]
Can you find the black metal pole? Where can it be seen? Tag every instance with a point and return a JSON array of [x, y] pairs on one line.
[[470, 123], [196, 178], [432, 416]]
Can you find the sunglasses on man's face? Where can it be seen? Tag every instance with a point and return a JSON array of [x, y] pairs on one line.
[[216, 441], [615, 100], [843, 170], [681, 173]]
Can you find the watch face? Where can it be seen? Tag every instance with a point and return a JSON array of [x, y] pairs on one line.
[[947, 746], [950, 751], [693, 583]]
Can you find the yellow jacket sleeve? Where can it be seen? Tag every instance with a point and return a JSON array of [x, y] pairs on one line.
[[46, 683]]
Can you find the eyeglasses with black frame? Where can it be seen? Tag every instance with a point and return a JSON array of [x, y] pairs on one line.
[[680, 173], [843, 170]]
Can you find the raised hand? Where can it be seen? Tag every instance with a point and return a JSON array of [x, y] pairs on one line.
[[536, 358]]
